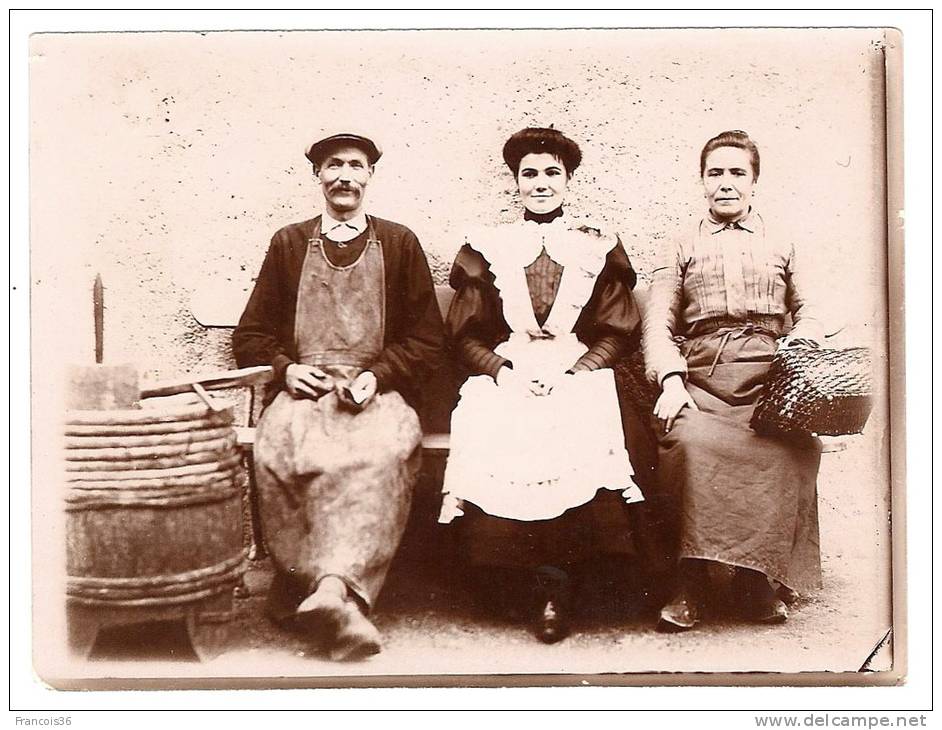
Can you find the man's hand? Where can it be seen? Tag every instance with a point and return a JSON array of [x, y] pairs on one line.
[[307, 381], [673, 399], [360, 392]]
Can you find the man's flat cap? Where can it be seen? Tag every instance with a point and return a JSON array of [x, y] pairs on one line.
[[316, 151]]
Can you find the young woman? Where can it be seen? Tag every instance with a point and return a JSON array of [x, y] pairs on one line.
[[542, 309]]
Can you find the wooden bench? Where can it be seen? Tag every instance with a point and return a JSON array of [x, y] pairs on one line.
[[222, 309]]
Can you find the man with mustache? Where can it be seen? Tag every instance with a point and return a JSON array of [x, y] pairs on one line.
[[344, 310]]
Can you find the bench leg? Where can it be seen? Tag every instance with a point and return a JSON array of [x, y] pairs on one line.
[[257, 551]]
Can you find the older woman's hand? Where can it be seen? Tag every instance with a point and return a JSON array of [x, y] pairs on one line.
[[674, 397], [789, 341]]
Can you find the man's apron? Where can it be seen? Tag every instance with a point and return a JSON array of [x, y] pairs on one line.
[[335, 486]]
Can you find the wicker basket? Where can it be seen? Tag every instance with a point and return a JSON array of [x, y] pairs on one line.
[[819, 391]]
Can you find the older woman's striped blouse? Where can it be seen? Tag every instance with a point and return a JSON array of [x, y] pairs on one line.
[[726, 274]]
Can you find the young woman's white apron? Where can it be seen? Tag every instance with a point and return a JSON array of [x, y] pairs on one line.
[[527, 457]]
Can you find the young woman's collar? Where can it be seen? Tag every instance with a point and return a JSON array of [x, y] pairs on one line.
[[529, 215]]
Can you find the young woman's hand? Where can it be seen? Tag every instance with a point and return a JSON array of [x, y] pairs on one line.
[[673, 399], [539, 384], [508, 378], [545, 383]]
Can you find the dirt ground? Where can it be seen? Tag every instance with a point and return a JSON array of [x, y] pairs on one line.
[[432, 625]]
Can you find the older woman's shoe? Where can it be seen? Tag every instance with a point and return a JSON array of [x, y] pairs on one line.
[[759, 602], [681, 614], [773, 611], [787, 595], [553, 622]]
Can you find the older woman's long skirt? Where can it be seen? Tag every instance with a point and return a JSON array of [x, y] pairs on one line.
[[741, 498]]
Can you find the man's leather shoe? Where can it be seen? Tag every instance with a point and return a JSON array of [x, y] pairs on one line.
[[282, 602], [552, 623], [357, 638], [321, 616], [681, 614]]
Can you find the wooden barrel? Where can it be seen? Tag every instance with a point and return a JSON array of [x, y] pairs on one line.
[[154, 512]]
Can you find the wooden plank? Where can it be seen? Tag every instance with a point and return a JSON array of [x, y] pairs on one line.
[[832, 444], [437, 442], [240, 378], [433, 442], [245, 436], [440, 443]]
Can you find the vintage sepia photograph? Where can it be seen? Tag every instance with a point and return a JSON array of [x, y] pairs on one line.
[[466, 357]]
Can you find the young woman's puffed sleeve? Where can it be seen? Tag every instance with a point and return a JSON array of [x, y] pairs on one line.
[[475, 324], [611, 316]]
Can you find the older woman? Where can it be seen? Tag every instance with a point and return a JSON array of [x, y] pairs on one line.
[[542, 309], [720, 302]]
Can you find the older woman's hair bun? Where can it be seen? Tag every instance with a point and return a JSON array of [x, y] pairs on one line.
[[732, 138], [537, 140]]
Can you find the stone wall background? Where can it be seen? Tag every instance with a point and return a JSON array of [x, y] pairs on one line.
[[165, 161]]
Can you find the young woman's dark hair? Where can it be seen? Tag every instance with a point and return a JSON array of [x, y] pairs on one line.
[[537, 140], [732, 138]]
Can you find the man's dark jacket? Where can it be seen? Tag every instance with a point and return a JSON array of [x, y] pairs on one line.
[[413, 325]]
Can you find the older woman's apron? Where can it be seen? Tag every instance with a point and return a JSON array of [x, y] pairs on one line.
[[335, 486], [740, 498]]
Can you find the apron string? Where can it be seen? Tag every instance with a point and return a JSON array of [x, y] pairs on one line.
[[733, 334]]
